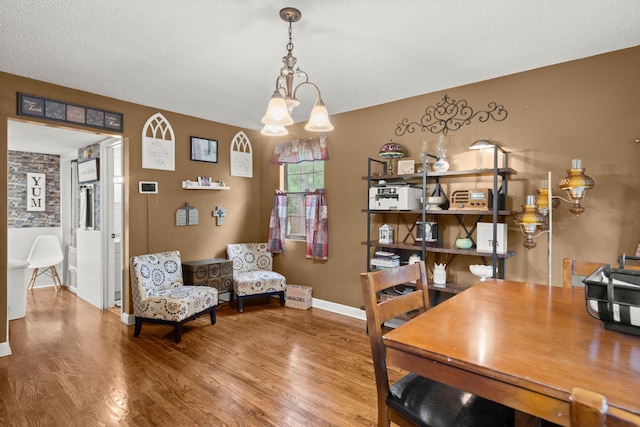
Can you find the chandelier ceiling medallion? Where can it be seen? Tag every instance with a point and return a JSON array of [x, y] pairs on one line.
[[284, 100]]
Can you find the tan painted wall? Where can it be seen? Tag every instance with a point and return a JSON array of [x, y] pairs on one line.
[[587, 109], [150, 219]]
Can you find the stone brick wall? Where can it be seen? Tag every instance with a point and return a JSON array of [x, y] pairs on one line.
[[18, 165]]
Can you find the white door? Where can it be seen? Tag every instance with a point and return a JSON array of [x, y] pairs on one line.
[[112, 212]]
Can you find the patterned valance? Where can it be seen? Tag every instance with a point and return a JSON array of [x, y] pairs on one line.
[[300, 150]]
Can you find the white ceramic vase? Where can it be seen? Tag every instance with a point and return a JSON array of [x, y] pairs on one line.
[[439, 274]]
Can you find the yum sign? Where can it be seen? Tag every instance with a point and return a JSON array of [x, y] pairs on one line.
[[36, 183]]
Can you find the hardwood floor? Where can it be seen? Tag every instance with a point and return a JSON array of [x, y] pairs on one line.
[[75, 365]]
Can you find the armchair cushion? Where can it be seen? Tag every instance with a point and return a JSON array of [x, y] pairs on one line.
[[177, 303], [258, 282]]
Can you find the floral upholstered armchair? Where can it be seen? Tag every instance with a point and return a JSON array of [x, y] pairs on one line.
[[159, 295], [252, 272]]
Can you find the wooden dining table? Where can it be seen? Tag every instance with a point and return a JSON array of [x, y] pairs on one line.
[[520, 344]]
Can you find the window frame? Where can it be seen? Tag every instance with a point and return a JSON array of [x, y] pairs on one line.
[[306, 180]]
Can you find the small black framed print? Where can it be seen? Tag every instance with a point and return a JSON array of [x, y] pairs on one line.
[[204, 150]]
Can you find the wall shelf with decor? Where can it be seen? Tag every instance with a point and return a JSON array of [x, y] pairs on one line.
[[409, 222], [195, 186]]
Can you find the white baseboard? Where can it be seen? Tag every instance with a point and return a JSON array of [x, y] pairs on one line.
[[128, 319], [349, 311], [5, 350], [333, 307], [345, 310]]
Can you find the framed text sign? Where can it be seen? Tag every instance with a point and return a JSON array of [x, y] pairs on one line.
[[89, 171], [49, 109], [36, 185]]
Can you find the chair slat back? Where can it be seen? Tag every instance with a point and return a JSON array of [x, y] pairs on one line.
[[379, 311], [589, 409], [573, 267]]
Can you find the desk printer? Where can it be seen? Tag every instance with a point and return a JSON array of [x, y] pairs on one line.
[[394, 197]]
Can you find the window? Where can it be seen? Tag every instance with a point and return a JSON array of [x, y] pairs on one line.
[[299, 177]]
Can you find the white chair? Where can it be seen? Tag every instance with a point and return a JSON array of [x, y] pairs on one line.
[[45, 254]]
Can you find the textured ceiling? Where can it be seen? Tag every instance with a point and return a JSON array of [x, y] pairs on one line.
[[218, 60]]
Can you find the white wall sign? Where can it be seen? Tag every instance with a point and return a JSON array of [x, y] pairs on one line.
[[241, 156], [36, 186], [88, 171], [158, 144]]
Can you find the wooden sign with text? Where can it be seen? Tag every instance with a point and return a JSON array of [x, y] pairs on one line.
[[49, 109], [36, 186]]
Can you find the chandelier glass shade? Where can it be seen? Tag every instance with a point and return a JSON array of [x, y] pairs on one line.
[[283, 101]]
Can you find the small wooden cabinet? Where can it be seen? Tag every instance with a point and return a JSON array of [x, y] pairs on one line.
[[215, 272]]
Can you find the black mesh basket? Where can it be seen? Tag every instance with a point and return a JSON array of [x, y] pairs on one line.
[[613, 296]]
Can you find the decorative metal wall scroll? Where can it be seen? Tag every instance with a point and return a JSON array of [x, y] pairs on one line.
[[450, 115], [49, 109]]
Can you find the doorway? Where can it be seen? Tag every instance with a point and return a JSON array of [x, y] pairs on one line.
[[112, 208], [83, 270]]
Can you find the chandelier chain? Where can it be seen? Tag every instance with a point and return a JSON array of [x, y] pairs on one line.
[[290, 44]]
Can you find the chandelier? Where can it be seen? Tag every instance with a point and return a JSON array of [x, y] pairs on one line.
[[284, 100]]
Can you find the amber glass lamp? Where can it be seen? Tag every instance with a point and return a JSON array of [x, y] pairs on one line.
[[576, 183], [538, 212], [529, 219]]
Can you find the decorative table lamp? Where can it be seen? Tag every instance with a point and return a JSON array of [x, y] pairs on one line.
[[391, 151]]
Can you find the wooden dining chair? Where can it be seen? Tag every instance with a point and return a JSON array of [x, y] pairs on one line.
[[589, 409], [573, 267], [415, 400]]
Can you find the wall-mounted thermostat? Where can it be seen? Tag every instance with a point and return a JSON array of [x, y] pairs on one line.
[[148, 187]]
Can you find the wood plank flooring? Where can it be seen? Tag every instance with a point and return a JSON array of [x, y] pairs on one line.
[[75, 365]]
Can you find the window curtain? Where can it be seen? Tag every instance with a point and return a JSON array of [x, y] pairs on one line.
[[317, 224], [300, 150], [278, 223]]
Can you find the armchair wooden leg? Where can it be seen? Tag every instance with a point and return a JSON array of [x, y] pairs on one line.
[[212, 314], [178, 332], [240, 304], [281, 298], [138, 327]]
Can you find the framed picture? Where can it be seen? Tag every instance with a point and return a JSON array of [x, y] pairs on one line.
[[204, 181], [89, 171], [204, 150]]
